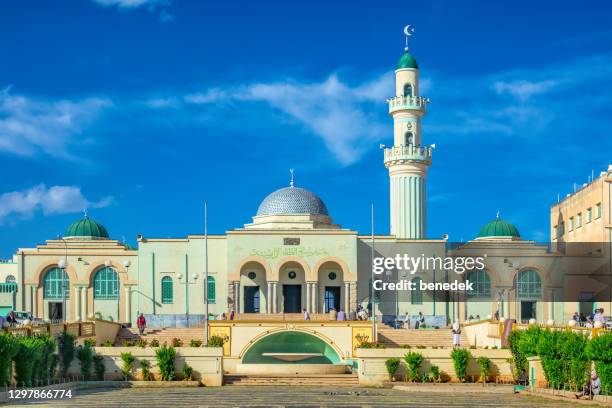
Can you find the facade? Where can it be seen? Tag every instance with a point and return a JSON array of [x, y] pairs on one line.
[[292, 257]]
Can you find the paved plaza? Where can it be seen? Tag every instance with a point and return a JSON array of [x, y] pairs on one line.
[[279, 396]]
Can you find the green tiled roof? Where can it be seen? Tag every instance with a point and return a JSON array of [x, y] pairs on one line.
[[86, 228], [499, 228], [407, 61]]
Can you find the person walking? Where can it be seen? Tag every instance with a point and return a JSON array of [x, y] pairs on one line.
[[141, 323], [306, 315], [456, 334]]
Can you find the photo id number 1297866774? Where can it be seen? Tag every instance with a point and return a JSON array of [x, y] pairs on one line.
[[39, 394]]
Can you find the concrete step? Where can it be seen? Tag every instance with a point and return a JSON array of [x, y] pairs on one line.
[[340, 380]]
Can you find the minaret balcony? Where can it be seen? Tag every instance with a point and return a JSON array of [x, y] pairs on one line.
[[407, 103], [407, 153]]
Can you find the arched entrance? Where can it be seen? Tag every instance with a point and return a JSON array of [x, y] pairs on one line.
[[291, 347]]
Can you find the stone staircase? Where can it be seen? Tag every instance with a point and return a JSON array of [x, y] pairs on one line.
[[410, 337], [162, 335], [314, 380]]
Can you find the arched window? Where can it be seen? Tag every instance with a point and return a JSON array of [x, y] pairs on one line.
[[167, 290], [52, 284], [212, 295], [481, 283], [106, 284], [408, 138], [11, 279], [529, 285], [407, 89], [416, 297]]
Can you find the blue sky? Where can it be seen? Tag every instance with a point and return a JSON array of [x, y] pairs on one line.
[[140, 110]]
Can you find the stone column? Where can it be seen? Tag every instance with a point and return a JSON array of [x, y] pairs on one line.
[[347, 297], [308, 298], [353, 295], [34, 300], [315, 297], [237, 297], [549, 302], [274, 298], [77, 303], [84, 309], [128, 304], [269, 298]]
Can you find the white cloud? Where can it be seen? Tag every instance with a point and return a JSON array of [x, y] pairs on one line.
[[523, 89], [161, 7], [30, 125], [52, 200]]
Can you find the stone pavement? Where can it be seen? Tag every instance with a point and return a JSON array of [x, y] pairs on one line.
[[279, 396]]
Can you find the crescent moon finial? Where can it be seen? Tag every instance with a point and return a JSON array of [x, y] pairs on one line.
[[408, 32]]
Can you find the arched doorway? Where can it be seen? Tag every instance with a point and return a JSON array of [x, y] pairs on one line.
[[292, 279], [253, 283], [291, 347]]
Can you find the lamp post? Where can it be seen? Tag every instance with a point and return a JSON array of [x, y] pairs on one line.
[[126, 265], [63, 264], [206, 273]]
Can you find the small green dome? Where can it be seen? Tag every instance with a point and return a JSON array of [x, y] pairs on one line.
[[407, 61], [498, 229], [86, 228]]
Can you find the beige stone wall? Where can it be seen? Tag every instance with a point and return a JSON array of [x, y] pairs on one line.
[[372, 370]]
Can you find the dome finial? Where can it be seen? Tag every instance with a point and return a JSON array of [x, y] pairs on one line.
[[292, 182], [85, 215], [497, 215], [408, 31]]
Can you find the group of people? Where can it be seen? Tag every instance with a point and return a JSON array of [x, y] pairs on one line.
[[10, 319], [589, 321], [341, 315]]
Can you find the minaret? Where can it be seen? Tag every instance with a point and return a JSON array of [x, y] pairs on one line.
[[408, 160]]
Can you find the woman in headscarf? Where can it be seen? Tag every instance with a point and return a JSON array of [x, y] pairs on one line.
[[456, 334]]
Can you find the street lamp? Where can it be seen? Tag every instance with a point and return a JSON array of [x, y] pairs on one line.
[[63, 264]]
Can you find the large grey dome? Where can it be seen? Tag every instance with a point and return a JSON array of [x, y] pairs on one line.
[[292, 200]]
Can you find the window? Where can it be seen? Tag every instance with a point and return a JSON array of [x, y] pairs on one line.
[[167, 290], [11, 279], [598, 211], [52, 284], [589, 215], [555, 231], [571, 226], [212, 296], [408, 138], [407, 89], [529, 285], [482, 284], [561, 228], [417, 293], [579, 220], [106, 284]]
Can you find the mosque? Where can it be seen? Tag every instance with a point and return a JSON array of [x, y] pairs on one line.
[[293, 257]]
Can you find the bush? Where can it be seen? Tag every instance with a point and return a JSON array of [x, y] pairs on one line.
[[187, 372], [435, 373], [216, 341], [177, 342], [599, 350], [195, 343], [485, 365], [574, 354], [154, 343], [98, 365], [460, 361], [165, 360], [145, 368], [90, 342], [66, 344], [413, 362], [53, 362], [519, 361], [392, 365], [45, 367], [8, 349], [142, 343], [85, 357], [425, 378], [549, 346], [127, 364], [108, 343], [28, 355]]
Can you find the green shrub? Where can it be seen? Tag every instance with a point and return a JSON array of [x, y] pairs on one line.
[[90, 342], [165, 360], [28, 356], [549, 347], [66, 344], [574, 354], [8, 349], [485, 365], [142, 343], [519, 361], [145, 368], [85, 357], [108, 343], [187, 372], [460, 359], [413, 363], [216, 341], [127, 365], [98, 365], [392, 365], [45, 366], [435, 373], [425, 378], [53, 362], [195, 343], [177, 342], [599, 350], [154, 343]]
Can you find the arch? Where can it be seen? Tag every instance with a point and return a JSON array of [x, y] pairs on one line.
[[52, 284], [284, 261], [106, 284], [482, 284], [167, 290], [10, 279], [528, 284], [235, 275], [408, 89], [212, 290], [341, 263], [298, 340], [416, 295], [408, 138]]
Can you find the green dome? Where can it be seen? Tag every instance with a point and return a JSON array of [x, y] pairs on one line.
[[498, 229], [407, 61], [86, 228]]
